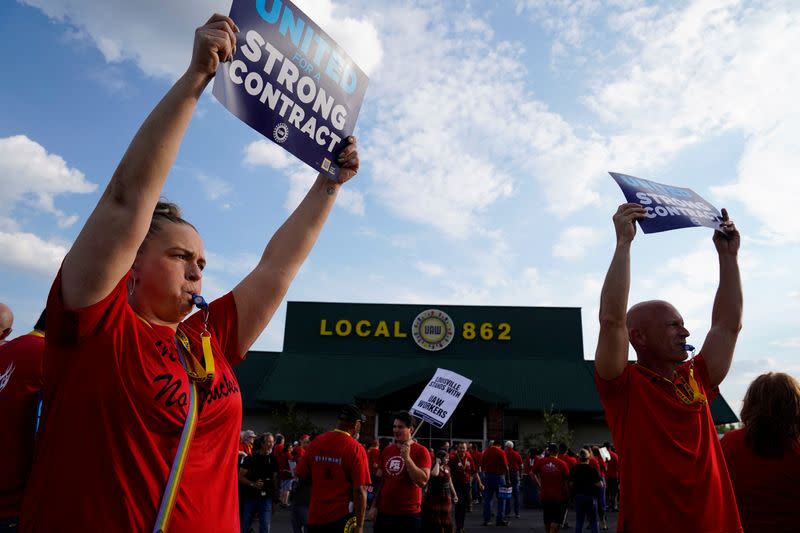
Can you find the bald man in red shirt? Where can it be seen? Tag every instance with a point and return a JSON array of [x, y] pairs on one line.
[[658, 407]]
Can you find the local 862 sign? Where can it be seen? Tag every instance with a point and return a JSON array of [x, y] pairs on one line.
[[291, 82]]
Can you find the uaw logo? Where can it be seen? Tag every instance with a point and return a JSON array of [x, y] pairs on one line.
[[351, 524], [432, 330], [280, 133], [394, 465]]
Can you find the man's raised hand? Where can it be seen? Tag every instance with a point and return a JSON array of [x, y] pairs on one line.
[[726, 240], [625, 221]]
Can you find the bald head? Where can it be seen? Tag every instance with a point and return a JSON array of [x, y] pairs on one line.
[[6, 321], [644, 313], [656, 330]]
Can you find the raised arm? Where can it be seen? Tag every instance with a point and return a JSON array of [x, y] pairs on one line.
[[106, 246], [260, 293], [612, 343], [726, 316]]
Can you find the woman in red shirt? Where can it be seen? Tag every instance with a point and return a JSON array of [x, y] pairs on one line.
[[127, 374], [763, 457]]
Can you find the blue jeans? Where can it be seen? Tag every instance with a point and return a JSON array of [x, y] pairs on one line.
[[492, 487], [261, 506], [585, 508], [514, 494], [8, 525]]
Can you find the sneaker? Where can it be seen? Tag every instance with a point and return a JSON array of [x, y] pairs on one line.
[[503, 523], [487, 523], [516, 516]]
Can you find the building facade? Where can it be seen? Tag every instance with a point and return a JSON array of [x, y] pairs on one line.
[[523, 362]]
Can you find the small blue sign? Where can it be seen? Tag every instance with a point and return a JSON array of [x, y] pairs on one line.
[[667, 207], [291, 82]]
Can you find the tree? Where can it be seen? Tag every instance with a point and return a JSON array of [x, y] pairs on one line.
[[556, 429], [293, 423]]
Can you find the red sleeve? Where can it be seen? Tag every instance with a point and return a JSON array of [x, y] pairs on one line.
[[359, 473], [302, 469], [223, 324], [613, 394], [67, 327], [421, 456]]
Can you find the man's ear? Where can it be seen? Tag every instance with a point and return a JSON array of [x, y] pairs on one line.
[[637, 337]]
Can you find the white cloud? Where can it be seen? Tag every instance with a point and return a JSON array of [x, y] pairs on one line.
[[574, 242], [214, 188], [32, 176], [793, 342], [29, 253], [267, 153], [431, 269], [161, 45]]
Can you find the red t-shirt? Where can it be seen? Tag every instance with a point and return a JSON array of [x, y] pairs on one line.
[[374, 456], [553, 473], [514, 460], [115, 402], [612, 466], [478, 456], [20, 385], [494, 461], [284, 468], [298, 453], [570, 461], [530, 461], [673, 475], [399, 494], [336, 463], [766, 489], [462, 470], [277, 451]]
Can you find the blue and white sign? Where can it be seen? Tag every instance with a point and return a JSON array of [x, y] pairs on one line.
[[667, 207], [291, 82]]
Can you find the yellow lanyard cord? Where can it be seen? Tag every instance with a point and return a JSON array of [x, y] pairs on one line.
[[196, 371], [688, 393]]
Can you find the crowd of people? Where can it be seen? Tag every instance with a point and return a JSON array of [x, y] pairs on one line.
[[121, 412]]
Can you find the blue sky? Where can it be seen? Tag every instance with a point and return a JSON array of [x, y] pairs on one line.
[[485, 138]]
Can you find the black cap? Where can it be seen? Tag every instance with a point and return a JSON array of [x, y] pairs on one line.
[[351, 413]]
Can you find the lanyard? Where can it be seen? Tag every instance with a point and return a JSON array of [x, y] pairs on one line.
[[197, 373], [687, 391]]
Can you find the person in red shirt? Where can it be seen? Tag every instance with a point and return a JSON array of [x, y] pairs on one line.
[[763, 457], [659, 406], [495, 469], [552, 475], [125, 369], [285, 475], [247, 438], [405, 469], [514, 471], [277, 450], [463, 471], [20, 390], [477, 456], [338, 469], [612, 479], [563, 454]]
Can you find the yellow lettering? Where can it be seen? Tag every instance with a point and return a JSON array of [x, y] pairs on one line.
[[343, 328], [382, 330], [323, 328], [360, 331], [397, 333]]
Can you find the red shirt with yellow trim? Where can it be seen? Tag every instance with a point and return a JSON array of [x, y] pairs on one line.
[[115, 402], [399, 494], [20, 386], [674, 476], [336, 463]]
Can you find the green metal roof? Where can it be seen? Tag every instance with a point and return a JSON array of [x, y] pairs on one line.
[[517, 384]]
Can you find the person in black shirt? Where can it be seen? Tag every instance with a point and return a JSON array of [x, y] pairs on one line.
[[258, 485], [585, 482]]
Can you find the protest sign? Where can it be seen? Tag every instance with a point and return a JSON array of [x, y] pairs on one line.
[[667, 207], [440, 397], [291, 82]]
